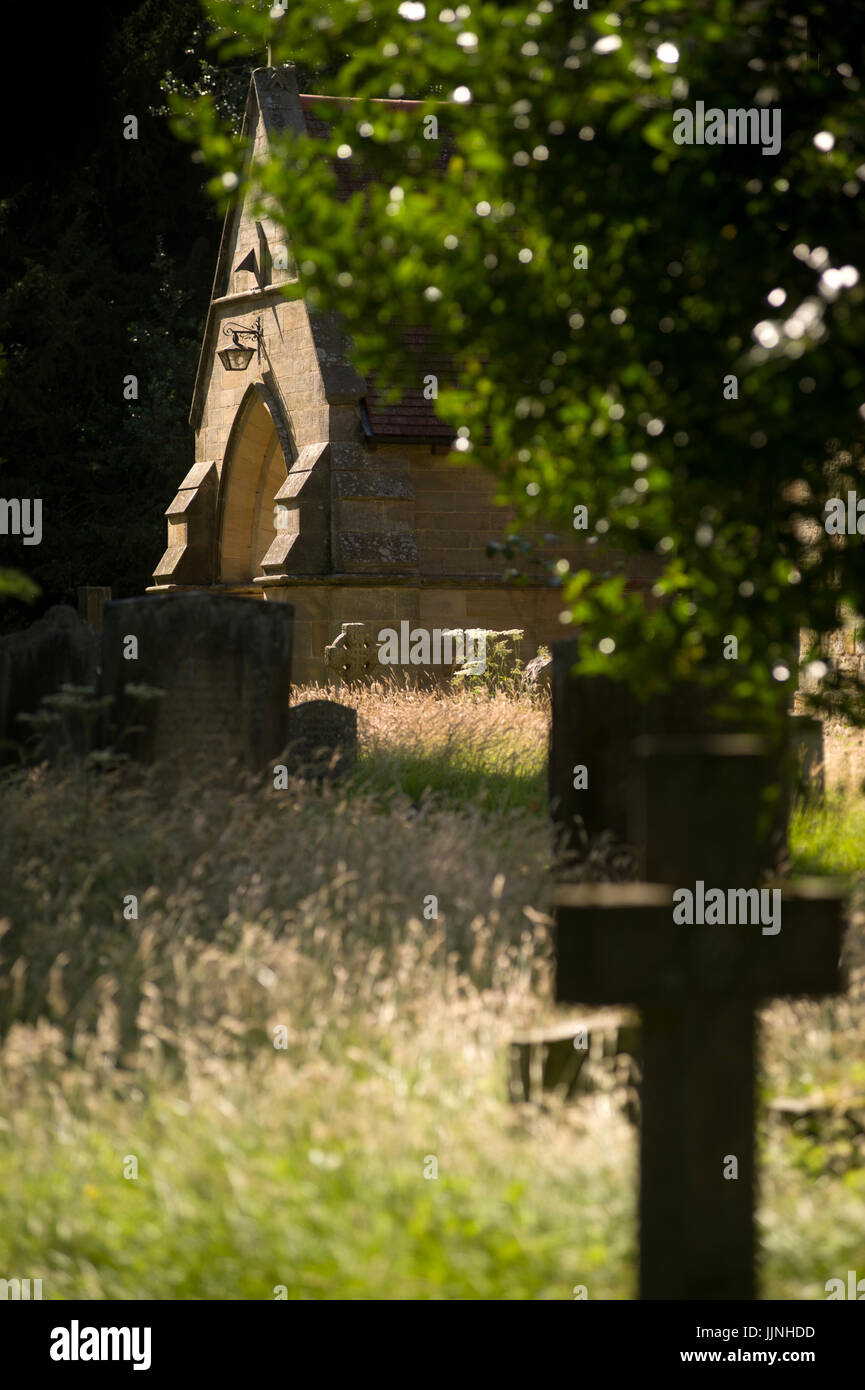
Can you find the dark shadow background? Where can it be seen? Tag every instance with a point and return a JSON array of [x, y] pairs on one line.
[[107, 249]]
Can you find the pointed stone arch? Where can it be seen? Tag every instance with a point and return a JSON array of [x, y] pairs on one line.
[[259, 451]]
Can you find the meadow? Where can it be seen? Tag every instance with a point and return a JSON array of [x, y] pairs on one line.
[[297, 918]]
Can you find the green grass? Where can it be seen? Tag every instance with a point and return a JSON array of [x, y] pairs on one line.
[[314, 1185], [303, 1167], [471, 749], [827, 836], [454, 778]]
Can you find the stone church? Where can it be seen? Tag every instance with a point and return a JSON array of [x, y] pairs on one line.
[[308, 486]]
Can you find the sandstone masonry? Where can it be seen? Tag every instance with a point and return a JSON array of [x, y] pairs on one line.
[[307, 488]]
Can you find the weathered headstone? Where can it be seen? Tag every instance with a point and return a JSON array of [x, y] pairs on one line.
[[699, 805], [595, 721], [537, 675], [322, 738], [353, 655], [59, 649], [224, 665]]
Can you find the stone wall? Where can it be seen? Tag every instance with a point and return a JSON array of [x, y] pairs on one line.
[[293, 496], [320, 609], [455, 517], [843, 745]]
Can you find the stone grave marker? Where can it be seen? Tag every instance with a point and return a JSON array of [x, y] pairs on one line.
[[59, 649], [538, 672], [224, 665], [352, 656], [322, 739], [698, 802], [595, 721], [594, 724]]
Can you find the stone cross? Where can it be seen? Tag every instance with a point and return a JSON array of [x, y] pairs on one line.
[[700, 813], [352, 656]]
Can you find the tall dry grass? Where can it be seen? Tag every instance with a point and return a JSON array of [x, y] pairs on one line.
[[472, 746], [297, 917]]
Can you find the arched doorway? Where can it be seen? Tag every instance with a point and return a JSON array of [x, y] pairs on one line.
[[253, 472]]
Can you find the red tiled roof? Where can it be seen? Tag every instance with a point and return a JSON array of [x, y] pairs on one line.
[[412, 416]]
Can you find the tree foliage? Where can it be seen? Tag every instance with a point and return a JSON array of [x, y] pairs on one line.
[[106, 259], [604, 386]]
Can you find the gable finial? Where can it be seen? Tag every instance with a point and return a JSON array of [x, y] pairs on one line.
[[278, 77]]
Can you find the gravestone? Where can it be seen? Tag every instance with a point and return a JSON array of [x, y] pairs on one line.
[[322, 739], [595, 721], [352, 656], [59, 649], [698, 804], [538, 673], [223, 664]]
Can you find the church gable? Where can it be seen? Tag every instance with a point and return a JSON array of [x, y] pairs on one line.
[[313, 483]]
